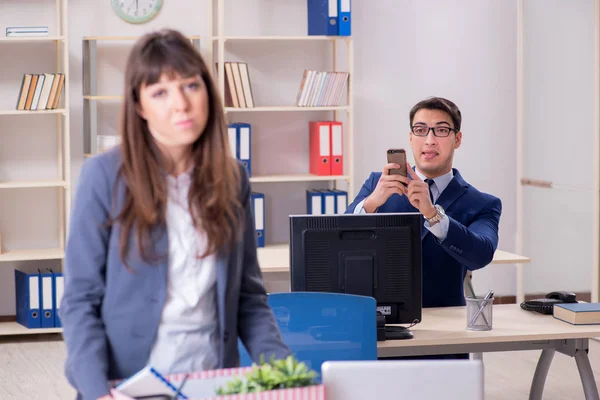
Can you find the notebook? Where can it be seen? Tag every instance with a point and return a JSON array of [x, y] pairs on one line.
[[148, 384]]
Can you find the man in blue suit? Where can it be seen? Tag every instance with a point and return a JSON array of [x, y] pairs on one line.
[[460, 223]]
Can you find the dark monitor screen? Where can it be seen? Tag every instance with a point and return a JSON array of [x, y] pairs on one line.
[[376, 255]]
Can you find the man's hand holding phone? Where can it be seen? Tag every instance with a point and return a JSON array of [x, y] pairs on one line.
[[418, 194], [386, 186], [415, 189]]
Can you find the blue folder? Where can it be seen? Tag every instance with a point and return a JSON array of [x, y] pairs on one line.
[[314, 202], [27, 296], [47, 299], [345, 18], [242, 140], [57, 293], [258, 209], [323, 17]]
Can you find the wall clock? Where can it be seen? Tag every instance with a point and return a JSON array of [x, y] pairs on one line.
[[136, 11]]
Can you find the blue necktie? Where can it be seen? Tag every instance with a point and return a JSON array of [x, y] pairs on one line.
[[430, 182]]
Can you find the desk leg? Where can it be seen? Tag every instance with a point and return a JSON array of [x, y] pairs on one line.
[[541, 372], [586, 374]]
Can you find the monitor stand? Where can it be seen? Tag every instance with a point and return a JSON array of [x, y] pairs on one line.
[[394, 332]]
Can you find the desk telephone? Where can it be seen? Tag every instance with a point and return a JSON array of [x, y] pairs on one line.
[[546, 305]]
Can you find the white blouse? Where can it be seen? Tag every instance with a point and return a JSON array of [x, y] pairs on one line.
[[188, 336]]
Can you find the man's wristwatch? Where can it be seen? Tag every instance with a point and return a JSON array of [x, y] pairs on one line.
[[438, 216]]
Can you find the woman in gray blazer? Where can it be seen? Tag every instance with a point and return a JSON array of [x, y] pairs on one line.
[[161, 265]]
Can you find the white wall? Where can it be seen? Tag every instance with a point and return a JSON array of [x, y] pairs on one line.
[[463, 50], [558, 132], [404, 51]]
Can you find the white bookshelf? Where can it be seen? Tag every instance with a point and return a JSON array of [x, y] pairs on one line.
[[36, 112], [103, 98], [285, 109], [32, 255], [33, 184], [12, 328], [62, 182], [275, 257], [91, 96], [278, 38], [296, 178], [21, 39]]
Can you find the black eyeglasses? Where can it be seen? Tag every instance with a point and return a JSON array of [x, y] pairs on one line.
[[438, 131]]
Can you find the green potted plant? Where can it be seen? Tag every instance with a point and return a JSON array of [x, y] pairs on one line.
[[272, 375]]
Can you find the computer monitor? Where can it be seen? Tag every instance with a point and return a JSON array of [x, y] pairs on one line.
[[376, 255]]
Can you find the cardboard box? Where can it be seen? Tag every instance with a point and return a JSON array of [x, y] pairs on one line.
[[203, 385]]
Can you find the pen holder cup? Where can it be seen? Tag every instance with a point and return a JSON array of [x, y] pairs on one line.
[[479, 313]]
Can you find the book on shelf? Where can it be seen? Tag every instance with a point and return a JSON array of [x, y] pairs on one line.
[[16, 31], [321, 88], [238, 90], [40, 91]]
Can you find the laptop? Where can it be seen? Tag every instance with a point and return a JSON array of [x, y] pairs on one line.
[[403, 379]]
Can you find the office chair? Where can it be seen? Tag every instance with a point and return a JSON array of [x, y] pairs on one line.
[[319, 327]]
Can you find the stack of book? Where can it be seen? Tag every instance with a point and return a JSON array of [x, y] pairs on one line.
[[40, 91], [238, 91], [321, 89], [16, 31]]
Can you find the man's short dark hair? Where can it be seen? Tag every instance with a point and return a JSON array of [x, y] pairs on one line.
[[438, 103]]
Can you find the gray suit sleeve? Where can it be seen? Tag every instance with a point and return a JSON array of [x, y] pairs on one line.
[[84, 274], [258, 329]]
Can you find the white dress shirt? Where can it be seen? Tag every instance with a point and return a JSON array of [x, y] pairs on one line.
[[187, 338], [440, 230]]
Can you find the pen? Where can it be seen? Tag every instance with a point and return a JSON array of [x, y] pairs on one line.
[[176, 395], [475, 297], [488, 296]]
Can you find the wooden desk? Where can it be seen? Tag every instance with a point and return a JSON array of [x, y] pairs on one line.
[[276, 258], [504, 257], [443, 332]]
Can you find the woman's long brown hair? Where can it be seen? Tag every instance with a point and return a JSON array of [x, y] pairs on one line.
[[214, 195]]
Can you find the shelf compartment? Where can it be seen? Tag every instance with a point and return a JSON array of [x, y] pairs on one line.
[[32, 184], [281, 38], [33, 112], [296, 178], [276, 258], [286, 109], [14, 328], [22, 39], [103, 98], [123, 38], [32, 255]]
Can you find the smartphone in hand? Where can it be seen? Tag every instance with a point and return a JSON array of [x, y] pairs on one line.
[[397, 156]]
